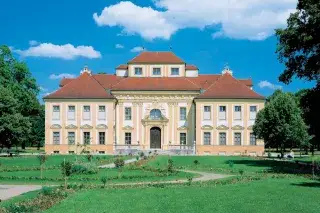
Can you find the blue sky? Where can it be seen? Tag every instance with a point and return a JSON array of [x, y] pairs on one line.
[[57, 38]]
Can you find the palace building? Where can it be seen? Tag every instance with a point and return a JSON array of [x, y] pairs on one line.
[[154, 102]]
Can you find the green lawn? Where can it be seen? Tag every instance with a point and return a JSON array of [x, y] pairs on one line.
[[269, 195], [221, 164], [53, 160]]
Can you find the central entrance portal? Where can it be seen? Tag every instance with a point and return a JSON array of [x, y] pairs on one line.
[[155, 138]]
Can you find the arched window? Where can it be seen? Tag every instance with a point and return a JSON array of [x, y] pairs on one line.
[[155, 114]]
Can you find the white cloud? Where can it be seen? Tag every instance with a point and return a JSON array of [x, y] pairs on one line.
[[42, 89], [33, 43], [218, 34], [60, 76], [136, 49], [119, 46], [239, 19], [267, 84], [67, 51]]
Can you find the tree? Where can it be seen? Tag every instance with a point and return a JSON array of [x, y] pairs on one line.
[[280, 123], [36, 137], [66, 170], [42, 159], [299, 43], [18, 100]]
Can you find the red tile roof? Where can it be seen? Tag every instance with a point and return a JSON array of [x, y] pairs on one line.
[[64, 81], [157, 57], [122, 66], [227, 86], [85, 86], [191, 67], [98, 86]]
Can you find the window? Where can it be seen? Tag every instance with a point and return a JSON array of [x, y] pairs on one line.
[[237, 112], [222, 138], [127, 113], [127, 138], [71, 112], [71, 138], [56, 152], [86, 113], [253, 140], [155, 114], [86, 138], [56, 113], [206, 138], [237, 138], [156, 71], [71, 152], [56, 137], [102, 113], [138, 70], [183, 113], [102, 152], [222, 113], [183, 138], [253, 112], [174, 71], [207, 113], [102, 138]]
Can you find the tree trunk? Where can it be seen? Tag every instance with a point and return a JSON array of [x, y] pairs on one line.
[[41, 171], [23, 145]]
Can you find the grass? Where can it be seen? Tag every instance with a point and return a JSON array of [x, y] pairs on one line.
[[258, 196]]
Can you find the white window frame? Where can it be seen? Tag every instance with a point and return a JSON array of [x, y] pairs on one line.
[[83, 113], [255, 114], [127, 117], [56, 114], [53, 137], [71, 115], [156, 68], [135, 69], [185, 138], [74, 142], [255, 141], [102, 114], [183, 117], [126, 137], [104, 138], [174, 69], [207, 113], [219, 139], [225, 113], [83, 137], [204, 138], [234, 138], [237, 115]]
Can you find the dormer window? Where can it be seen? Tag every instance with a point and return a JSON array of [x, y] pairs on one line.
[[156, 71], [174, 71], [138, 70]]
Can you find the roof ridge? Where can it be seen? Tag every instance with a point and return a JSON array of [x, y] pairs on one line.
[[97, 81], [214, 82], [117, 83], [192, 82], [238, 81]]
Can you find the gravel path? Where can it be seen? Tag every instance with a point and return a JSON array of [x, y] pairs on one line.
[[111, 165], [9, 191]]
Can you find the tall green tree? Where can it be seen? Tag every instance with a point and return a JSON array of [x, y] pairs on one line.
[[280, 123], [18, 100], [299, 49]]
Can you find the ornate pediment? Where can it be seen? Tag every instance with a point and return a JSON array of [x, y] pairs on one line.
[[127, 127], [102, 126], [86, 126], [250, 127], [55, 126], [237, 127], [222, 127], [207, 127], [183, 128], [71, 126]]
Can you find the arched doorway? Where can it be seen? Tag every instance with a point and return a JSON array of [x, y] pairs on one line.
[[155, 138]]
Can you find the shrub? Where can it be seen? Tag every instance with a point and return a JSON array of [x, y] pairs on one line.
[[196, 162], [89, 157], [241, 172], [269, 154], [170, 166], [84, 168], [189, 178], [231, 163], [16, 208], [46, 190], [119, 162], [141, 154], [104, 181], [137, 157]]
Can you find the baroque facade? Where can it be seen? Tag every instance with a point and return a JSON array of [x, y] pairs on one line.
[[154, 102]]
